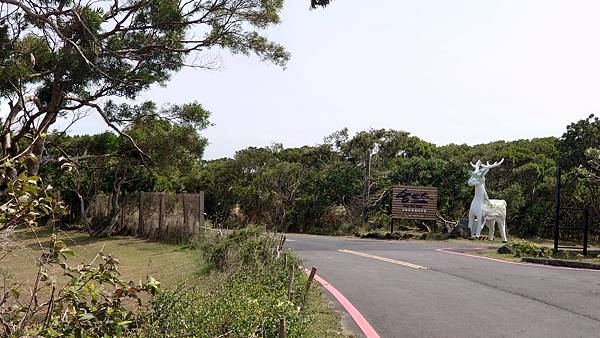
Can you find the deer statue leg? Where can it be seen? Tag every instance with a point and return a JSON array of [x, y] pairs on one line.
[[490, 223], [479, 224], [502, 227], [472, 223]]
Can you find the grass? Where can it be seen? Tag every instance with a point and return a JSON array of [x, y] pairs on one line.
[[171, 264], [494, 254], [138, 258]]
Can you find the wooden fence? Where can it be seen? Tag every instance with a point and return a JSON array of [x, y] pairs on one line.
[[156, 215]]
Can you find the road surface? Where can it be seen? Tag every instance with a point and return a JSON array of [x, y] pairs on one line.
[[456, 295]]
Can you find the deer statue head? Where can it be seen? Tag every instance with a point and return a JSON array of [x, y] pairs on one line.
[[479, 172]]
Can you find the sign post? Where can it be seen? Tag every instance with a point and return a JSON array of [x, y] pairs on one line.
[[416, 203]]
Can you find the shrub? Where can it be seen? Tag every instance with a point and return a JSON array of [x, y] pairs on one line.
[[243, 294], [236, 307], [528, 249], [249, 248], [94, 301]]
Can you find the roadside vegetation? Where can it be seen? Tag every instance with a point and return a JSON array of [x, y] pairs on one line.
[[321, 189], [236, 286], [541, 251]]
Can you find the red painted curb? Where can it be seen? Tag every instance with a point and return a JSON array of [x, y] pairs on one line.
[[358, 318], [447, 250]]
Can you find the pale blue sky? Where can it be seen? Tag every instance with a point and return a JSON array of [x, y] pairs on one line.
[[447, 71]]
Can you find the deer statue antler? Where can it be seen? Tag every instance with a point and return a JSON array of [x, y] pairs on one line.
[[477, 165], [490, 166]]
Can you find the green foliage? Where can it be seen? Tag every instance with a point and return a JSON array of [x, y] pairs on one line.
[[527, 249], [96, 302], [237, 307], [321, 188], [25, 200], [93, 301], [579, 137], [319, 3], [591, 177], [59, 58], [246, 248], [246, 296]]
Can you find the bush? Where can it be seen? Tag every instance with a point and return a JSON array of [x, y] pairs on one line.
[[528, 249], [236, 307], [94, 301], [244, 294], [249, 248]]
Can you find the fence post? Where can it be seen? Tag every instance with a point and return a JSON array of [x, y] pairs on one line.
[[186, 221], [201, 214], [282, 328], [313, 271], [141, 227], [557, 211], [161, 213]]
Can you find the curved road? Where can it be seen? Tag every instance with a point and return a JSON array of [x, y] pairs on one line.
[[456, 296]]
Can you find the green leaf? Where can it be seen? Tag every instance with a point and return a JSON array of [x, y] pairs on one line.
[[87, 316]]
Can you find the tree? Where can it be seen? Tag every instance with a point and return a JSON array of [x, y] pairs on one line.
[[591, 176], [109, 163], [319, 3], [579, 136], [61, 56]]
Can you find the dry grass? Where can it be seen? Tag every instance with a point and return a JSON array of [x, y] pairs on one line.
[[138, 258], [169, 263]]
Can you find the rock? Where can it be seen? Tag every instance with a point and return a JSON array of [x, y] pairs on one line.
[[423, 227], [423, 236], [461, 231], [506, 249]]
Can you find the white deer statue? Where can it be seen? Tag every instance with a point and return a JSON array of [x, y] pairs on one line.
[[484, 210]]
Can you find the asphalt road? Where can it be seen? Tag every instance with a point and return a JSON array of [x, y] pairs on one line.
[[457, 296]]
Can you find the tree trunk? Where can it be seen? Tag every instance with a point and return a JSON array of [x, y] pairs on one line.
[[35, 156], [114, 213], [84, 213]]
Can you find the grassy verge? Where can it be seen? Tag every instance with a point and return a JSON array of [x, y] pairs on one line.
[[236, 291], [248, 288], [138, 258], [524, 248]]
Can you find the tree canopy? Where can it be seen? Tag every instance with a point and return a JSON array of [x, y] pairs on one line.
[[61, 56]]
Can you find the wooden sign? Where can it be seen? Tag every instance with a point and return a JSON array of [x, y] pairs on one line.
[[414, 202]]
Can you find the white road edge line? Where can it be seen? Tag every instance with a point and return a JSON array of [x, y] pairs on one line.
[[389, 260]]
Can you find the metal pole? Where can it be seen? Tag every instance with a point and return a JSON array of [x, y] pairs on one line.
[[557, 212], [586, 222], [367, 190]]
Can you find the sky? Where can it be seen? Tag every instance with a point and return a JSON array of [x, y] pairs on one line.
[[446, 71]]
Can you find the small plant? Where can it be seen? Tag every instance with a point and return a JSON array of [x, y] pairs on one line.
[[579, 256], [250, 285], [528, 249], [94, 302]]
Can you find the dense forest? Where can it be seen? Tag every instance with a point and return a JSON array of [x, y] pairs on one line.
[[338, 186]]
